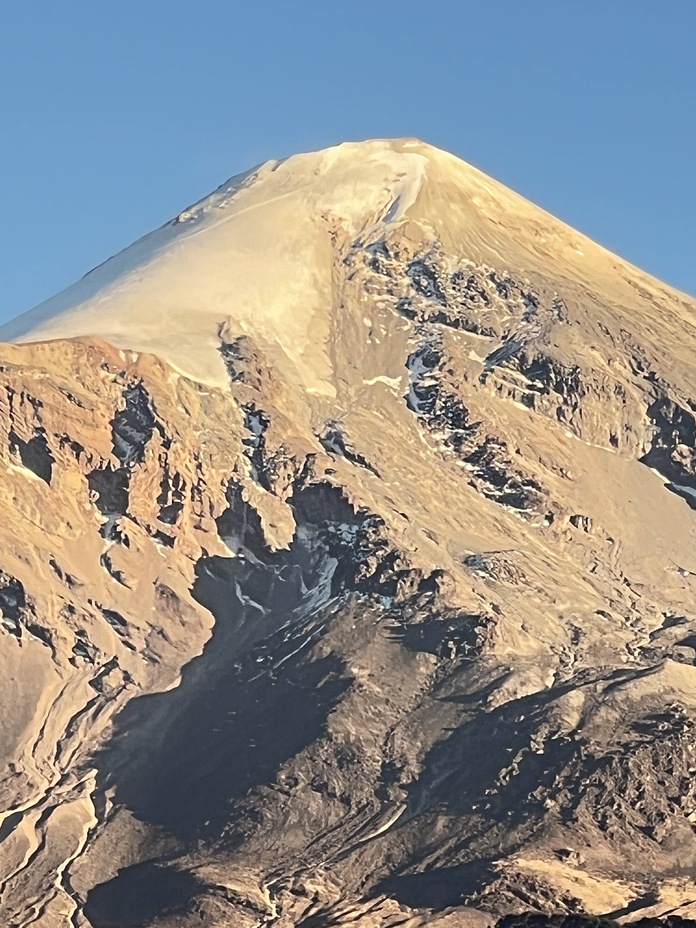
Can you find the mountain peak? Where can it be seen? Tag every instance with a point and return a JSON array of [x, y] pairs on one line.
[[260, 255], [347, 567]]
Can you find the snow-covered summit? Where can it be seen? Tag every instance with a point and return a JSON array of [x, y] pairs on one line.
[[257, 256]]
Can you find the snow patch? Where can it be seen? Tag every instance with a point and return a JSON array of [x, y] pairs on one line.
[[393, 382]]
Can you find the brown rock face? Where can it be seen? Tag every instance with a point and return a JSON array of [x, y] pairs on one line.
[[354, 584]]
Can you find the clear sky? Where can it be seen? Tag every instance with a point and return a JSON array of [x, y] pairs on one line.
[[114, 116]]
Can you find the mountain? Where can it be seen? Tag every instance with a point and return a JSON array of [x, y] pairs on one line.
[[347, 567]]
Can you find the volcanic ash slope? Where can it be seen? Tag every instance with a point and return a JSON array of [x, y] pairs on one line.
[[347, 567]]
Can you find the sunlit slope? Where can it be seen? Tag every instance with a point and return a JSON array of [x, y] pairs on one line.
[[258, 257]]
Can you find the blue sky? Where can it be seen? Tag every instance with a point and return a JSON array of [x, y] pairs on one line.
[[117, 115]]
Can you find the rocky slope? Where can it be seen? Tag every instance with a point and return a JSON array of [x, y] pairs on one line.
[[347, 567]]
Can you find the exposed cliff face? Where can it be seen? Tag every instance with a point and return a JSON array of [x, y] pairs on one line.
[[371, 609]]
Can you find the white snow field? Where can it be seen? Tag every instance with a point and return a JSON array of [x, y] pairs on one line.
[[256, 257]]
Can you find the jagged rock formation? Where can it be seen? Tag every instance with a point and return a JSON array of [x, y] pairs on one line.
[[347, 568]]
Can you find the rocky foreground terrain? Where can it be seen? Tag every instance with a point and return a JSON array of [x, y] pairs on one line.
[[347, 568]]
